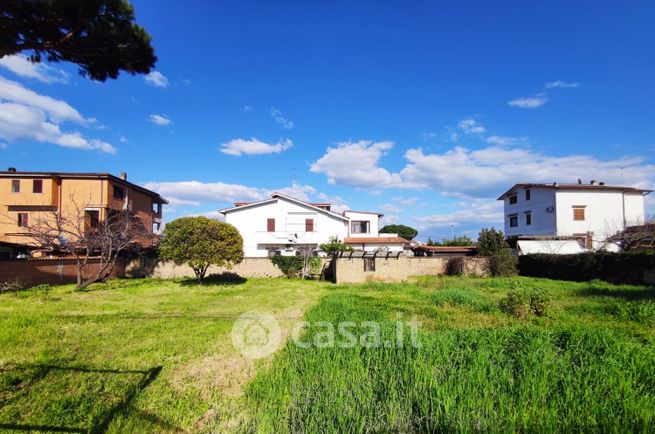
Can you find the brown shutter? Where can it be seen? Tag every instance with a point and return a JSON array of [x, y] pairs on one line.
[[270, 225], [309, 225]]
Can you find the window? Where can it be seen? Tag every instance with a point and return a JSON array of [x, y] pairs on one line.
[[270, 225], [513, 199], [156, 208], [37, 186], [578, 213], [119, 192], [369, 264], [513, 221], [528, 218], [359, 227], [92, 219], [23, 219], [309, 225], [15, 186], [527, 194]]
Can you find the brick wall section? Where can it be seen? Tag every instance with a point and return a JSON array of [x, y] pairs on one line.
[[249, 267], [34, 272], [351, 270]]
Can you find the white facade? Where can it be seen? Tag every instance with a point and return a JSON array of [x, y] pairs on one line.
[[566, 210], [282, 224], [291, 227]]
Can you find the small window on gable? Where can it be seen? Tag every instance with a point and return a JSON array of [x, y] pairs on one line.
[[15, 186], [119, 192], [309, 225], [513, 199], [513, 221], [270, 225], [528, 218], [578, 213], [23, 219], [369, 264], [37, 186], [527, 194]]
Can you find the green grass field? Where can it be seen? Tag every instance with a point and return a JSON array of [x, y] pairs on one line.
[[156, 356]]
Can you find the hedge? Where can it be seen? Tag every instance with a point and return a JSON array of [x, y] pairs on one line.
[[628, 268]]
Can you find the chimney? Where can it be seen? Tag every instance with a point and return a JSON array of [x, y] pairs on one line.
[[11, 169], [601, 183], [123, 176], [579, 181], [593, 182]]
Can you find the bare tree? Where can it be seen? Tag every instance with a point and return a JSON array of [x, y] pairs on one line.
[[635, 237], [77, 236], [309, 259]]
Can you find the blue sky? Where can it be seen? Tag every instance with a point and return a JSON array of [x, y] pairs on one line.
[[425, 111]]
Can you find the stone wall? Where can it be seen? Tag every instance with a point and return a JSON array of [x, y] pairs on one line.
[[351, 270], [152, 267], [31, 272]]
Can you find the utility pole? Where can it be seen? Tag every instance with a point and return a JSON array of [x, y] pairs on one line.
[[452, 231]]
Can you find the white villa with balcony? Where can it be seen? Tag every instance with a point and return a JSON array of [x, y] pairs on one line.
[[281, 225], [588, 213]]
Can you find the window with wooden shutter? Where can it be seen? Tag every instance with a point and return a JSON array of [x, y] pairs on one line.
[[309, 225], [578, 213], [270, 225], [15, 186], [37, 186]]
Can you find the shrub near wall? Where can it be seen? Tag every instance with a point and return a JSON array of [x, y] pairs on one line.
[[628, 268]]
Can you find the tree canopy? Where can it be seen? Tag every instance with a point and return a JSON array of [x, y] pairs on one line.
[[201, 242], [462, 240], [406, 232], [100, 36]]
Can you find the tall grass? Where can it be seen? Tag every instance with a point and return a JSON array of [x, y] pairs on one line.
[[517, 378]]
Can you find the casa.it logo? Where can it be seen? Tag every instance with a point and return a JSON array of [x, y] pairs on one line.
[[256, 334]]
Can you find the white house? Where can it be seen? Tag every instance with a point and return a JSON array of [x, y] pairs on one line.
[[281, 225], [588, 212]]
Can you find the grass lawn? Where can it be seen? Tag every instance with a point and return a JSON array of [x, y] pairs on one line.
[[156, 356]]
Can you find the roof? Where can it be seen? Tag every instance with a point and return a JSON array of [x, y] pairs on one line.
[[559, 186], [556, 247], [364, 212], [375, 240], [82, 175], [241, 205]]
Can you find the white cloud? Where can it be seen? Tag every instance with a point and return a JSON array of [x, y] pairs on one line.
[[488, 172], [122, 138], [505, 140], [197, 193], [156, 78], [478, 212], [406, 201], [281, 120], [20, 122], [389, 207], [389, 219], [529, 102], [3, 145], [246, 108], [356, 164], [471, 126], [561, 84], [161, 120], [20, 65], [26, 115], [56, 109], [254, 147]]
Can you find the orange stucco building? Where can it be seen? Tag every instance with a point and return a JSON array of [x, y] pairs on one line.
[[26, 196]]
